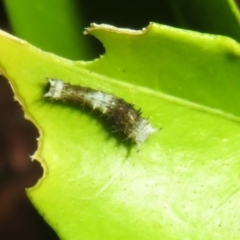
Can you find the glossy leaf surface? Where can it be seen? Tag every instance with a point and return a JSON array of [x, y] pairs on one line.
[[184, 182]]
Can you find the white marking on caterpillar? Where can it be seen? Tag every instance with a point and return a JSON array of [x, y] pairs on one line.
[[125, 117], [55, 90]]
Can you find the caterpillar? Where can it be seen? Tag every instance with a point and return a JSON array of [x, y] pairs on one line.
[[123, 114]]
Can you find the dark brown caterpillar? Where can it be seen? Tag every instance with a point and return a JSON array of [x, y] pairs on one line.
[[123, 114]]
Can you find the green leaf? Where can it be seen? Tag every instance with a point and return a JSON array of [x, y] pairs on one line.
[[184, 182], [216, 16], [54, 26]]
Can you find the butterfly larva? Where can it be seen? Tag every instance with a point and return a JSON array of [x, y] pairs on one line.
[[125, 117]]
